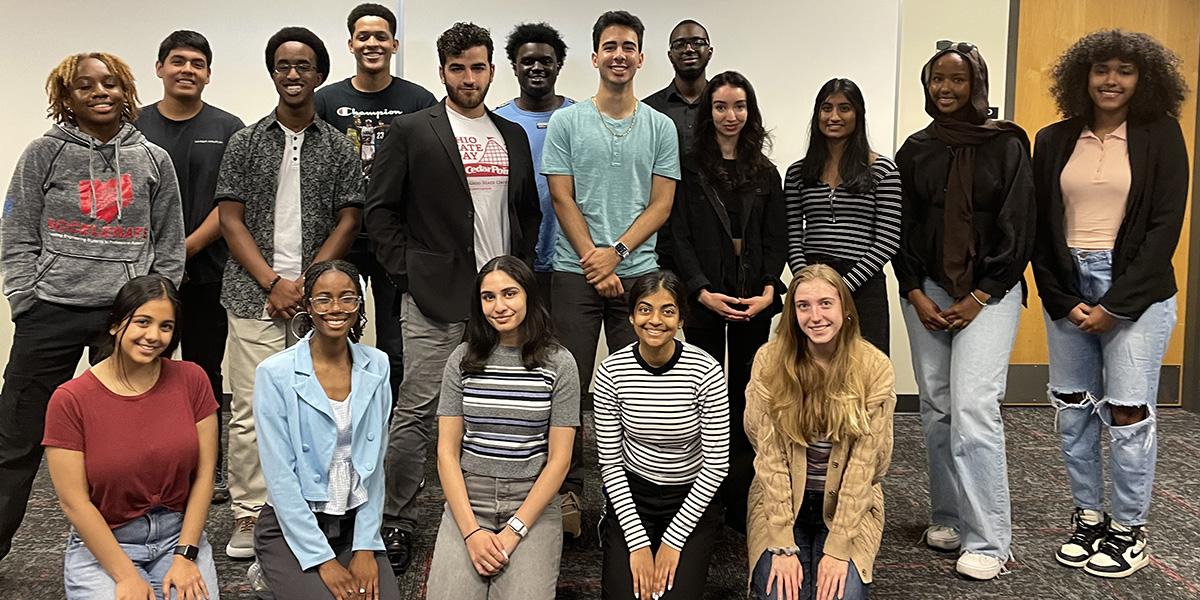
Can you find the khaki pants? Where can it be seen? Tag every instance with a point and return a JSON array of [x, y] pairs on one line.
[[250, 342]]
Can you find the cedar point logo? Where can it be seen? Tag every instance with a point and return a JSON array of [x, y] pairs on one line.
[[104, 195], [493, 162]]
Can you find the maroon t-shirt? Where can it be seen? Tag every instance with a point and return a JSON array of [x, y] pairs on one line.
[[140, 451]]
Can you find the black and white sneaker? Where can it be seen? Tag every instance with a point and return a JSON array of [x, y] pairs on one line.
[[1090, 527], [398, 544], [1122, 553]]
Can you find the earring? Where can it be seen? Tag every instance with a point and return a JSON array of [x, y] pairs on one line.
[[293, 323]]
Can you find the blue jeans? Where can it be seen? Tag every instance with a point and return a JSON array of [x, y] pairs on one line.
[[1120, 368], [810, 533], [149, 541], [961, 377]]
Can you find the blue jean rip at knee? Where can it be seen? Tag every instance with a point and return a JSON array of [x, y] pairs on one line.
[[1147, 427], [1072, 401]]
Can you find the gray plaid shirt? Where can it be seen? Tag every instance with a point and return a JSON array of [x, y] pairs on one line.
[[330, 180]]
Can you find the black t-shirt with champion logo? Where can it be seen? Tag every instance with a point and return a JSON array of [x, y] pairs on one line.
[[196, 147]]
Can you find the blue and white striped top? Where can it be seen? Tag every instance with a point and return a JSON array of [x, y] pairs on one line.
[[508, 410]]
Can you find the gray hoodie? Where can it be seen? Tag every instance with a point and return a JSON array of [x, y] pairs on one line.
[[65, 237]]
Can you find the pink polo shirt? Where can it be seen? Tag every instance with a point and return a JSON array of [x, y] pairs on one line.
[[1095, 188]]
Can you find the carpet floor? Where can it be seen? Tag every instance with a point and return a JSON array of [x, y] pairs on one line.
[[904, 569]]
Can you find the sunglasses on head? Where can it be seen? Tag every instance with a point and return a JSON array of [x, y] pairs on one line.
[[960, 47]]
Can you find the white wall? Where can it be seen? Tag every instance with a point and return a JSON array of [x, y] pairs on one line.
[[787, 48]]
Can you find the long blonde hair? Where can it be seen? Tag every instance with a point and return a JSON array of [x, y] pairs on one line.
[[808, 402]]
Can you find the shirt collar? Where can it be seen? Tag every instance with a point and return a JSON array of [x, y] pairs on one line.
[[1119, 133], [275, 123], [672, 94]]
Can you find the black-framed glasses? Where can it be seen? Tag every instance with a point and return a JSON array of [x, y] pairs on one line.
[[698, 43], [324, 304], [960, 47], [301, 69]]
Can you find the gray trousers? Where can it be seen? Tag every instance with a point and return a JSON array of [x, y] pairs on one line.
[[283, 573], [532, 570], [427, 345]]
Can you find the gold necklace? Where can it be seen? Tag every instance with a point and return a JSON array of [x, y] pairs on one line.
[[614, 132]]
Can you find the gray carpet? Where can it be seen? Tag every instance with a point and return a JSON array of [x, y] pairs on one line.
[[904, 568]]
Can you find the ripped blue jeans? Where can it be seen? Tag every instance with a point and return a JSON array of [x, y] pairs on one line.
[[1117, 368]]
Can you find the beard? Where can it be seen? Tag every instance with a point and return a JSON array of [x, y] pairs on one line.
[[467, 101]]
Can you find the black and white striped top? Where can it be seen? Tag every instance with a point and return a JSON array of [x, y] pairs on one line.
[[669, 425], [860, 227]]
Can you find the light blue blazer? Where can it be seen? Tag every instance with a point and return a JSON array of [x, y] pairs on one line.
[[296, 436]]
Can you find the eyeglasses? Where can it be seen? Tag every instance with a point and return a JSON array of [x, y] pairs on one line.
[[698, 43], [324, 304], [960, 47], [301, 69]]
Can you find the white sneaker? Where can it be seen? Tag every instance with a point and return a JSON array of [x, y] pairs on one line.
[[980, 566], [1122, 554], [941, 537]]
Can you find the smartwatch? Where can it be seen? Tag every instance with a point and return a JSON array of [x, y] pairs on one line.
[[188, 552], [622, 249], [518, 526]]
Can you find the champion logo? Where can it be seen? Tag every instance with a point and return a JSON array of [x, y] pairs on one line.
[[104, 194]]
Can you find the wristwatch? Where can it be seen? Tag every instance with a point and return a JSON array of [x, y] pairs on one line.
[[188, 552], [518, 526], [622, 249]]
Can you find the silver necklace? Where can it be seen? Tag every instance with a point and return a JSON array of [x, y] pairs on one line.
[[614, 132]]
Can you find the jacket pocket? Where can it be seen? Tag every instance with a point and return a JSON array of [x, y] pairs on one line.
[[83, 280]]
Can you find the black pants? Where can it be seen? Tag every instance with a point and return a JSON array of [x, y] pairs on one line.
[[744, 339], [283, 573], [48, 341], [656, 507], [387, 310], [871, 301], [578, 313], [202, 327]]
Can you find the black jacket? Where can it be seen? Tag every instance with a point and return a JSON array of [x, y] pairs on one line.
[[1002, 219], [420, 217], [1142, 271], [702, 239]]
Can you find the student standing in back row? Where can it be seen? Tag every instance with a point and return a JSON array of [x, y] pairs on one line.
[[1112, 183], [362, 107], [289, 194], [453, 189], [194, 133], [967, 231], [611, 163], [91, 205]]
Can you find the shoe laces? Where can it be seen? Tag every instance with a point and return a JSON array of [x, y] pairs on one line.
[[245, 524], [1085, 535], [1117, 542]]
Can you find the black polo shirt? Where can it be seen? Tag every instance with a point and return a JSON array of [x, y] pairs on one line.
[[668, 101]]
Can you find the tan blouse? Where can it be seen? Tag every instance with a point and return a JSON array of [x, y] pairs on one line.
[[853, 507], [1095, 188]]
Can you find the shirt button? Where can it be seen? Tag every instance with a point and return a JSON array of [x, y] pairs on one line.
[[370, 437], [833, 464], [470, 249], [470, 214], [304, 447], [317, 478]]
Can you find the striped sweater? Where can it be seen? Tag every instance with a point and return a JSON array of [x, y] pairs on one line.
[[833, 222], [508, 410], [669, 425]]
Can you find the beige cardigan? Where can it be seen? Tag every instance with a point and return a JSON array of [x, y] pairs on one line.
[[853, 495]]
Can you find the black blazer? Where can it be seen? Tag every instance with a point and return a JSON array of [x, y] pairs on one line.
[[1142, 271], [420, 217], [702, 239]]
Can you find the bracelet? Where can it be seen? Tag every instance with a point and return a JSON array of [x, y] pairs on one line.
[[468, 536], [271, 286], [976, 298]]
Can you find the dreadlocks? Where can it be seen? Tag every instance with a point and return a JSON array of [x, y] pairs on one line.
[[58, 85]]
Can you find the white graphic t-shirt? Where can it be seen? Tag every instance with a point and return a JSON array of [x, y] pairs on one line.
[[485, 163]]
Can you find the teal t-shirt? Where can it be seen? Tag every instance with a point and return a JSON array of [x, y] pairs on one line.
[[612, 175]]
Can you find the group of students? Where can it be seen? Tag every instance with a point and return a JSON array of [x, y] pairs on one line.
[[670, 216]]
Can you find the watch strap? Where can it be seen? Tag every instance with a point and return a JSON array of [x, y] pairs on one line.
[[188, 552]]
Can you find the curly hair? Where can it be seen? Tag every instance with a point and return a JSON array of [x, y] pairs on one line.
[[370, 9], [619, 18], [535, 33], [462, 37], [1160, 87], [58, 85], [304, 36]]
